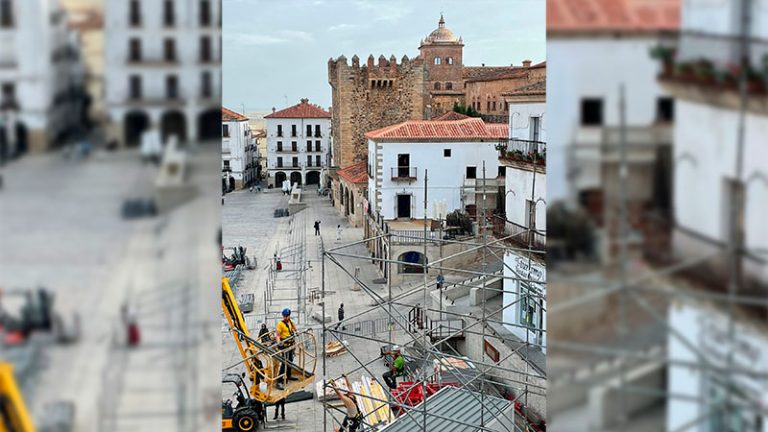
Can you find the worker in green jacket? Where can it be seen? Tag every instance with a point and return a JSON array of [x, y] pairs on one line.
[[396, 369]]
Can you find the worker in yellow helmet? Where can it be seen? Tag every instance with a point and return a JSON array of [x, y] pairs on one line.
[[286, 330]]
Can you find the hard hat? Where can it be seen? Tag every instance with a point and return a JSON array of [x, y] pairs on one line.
[[396, 348], [287, 312]]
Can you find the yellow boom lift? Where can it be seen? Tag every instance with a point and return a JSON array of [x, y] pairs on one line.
[[262, 362], [13, 412]]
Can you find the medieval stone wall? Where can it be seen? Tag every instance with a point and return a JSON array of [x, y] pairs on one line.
[[380, 93]]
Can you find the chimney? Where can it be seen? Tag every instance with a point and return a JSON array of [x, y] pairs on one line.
[[305, 100], [526, 63], [273, 109], [483, 64]]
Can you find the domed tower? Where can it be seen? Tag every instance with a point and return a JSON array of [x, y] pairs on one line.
[[442, 54]]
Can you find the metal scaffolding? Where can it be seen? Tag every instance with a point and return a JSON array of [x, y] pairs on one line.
[[408, 321], [665, 284]]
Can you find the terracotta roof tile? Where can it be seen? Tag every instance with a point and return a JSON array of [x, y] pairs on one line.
[[228, 115], [498, 130], [451, 115], [488, 73], [537, 88], [575, 16], [470, 128], [357, 173], [303, 109]]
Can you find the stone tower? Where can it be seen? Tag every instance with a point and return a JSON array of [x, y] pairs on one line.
[[442, 52]]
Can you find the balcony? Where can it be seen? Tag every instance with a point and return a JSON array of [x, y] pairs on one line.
[[705, 67], [517, 234], [526, 154], [403, 173]]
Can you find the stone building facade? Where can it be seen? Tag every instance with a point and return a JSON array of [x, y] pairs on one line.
[[383, 92]]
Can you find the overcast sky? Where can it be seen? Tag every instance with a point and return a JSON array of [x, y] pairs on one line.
[[276, 51]]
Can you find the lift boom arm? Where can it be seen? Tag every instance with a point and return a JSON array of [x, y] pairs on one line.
[[13, 412]]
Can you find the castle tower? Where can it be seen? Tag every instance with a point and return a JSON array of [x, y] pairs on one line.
[[442, 53]]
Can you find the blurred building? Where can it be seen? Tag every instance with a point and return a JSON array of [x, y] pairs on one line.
[[350, 193], [87, 18], [163, 69], [239, 151], [298, 144], [597, 51], [41, 77], [721, 176]]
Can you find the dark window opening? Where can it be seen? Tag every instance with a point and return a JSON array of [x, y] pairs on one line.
[[446, 152], [317, 146], [309, 160], [279, 162], [437, 86], [665, 109], [294, 146], [207, 85], [293, 130], [317, 131], [318, 160], [172, 87], [295, 162], [134, 87], [279, 130], [225, 131], [134, 15], [205, 13], [471, 172], [6, 13], [279, 146], [309, 130], [169, 17], [309, 145], [134, 50], [169, 50], [592, 112], [449, 86], [502, 171], [205, 49]]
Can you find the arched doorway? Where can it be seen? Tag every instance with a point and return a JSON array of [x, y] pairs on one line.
[[135, 124], [313, 178], [346, 201], [295, 178], [173, 123], [209, 125], [280, 177], [415, 260]]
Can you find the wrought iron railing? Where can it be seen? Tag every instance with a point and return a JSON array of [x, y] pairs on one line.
[[403, 173]]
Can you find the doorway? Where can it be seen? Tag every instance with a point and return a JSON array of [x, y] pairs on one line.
[[404, 206]]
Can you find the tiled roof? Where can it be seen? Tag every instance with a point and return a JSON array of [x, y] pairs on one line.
[[228, 115], [357, 173], [303, 109], [486, 73], [575, 16], [260, 133], [469, 128], [498, 130], [451, 115], [537, 88]]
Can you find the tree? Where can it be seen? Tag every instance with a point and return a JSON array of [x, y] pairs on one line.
[[466, 110]]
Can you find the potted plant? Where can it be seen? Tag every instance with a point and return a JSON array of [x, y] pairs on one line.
[[684, 71], [666, 55], [704, 71]]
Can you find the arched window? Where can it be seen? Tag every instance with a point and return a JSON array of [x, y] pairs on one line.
[[449, 86], [437, 86], [437, 60], [449, 60], [415, 262]]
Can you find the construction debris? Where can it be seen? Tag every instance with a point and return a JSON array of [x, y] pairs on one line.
[[335, 348]]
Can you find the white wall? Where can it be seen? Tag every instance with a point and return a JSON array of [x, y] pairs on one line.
[[517, 266], [236, 143], [580, 68], [706, 329], [520, 183], [705, 157], [520, 120], [446, 175]]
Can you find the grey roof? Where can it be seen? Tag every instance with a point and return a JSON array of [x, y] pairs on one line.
[[461, 409]]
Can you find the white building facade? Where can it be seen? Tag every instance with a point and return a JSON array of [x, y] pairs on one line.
[[163, 69], [42, 77], [298, 144], [525, 159], [525, 298], [587, 83], [704, 330], [239, 151], [450, 153], [706, 182]]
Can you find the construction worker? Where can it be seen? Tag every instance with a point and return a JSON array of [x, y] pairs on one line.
[[396, 369], [286, 330], [278, 406], [354, 417], [264, 336], [341, 317]]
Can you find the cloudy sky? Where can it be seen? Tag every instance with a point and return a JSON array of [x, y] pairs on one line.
[[276, 51]]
